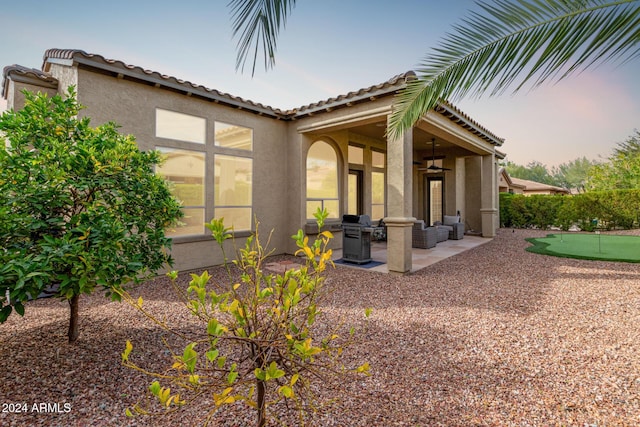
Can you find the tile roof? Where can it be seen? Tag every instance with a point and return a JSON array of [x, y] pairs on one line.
[[537, 186], [27, 75], [138, 73], [120, 69]]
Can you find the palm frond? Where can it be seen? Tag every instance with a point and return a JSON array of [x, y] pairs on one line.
[[519, 43], [257, 23]]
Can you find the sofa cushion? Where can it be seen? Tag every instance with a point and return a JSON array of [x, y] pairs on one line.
[[450, 219]]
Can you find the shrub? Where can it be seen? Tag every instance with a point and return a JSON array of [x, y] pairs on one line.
[[613, 209], [258, 334]]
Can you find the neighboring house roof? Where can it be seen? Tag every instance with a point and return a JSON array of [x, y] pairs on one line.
[[136, 73], [27, 75], [538, 186]]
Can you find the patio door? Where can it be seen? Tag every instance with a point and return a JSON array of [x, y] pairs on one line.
[[434, 199], [354, 202]]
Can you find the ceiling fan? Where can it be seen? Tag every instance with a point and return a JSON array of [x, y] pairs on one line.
[[432, 166]]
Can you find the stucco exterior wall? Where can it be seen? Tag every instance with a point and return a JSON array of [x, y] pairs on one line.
[[473, 186], [132, 105], [15, 97], [66, 76]]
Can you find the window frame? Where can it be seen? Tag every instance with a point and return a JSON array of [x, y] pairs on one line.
[[210, 150]]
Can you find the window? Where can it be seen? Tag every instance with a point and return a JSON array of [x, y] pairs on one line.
[[377, 195], [322, 180], [233, 190], [356, 155], [378, 186], [185, 171], [181, 127], [377, 159], [232, 136], [229, 180]]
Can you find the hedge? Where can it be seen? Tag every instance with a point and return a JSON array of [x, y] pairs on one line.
[[616, 209]]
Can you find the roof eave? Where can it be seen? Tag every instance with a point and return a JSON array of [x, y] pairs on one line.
[[20, 74], [121, 70]]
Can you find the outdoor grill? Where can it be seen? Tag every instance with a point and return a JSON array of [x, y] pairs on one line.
[[356, 238]]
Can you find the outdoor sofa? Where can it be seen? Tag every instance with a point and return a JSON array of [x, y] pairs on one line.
[[452, 224]]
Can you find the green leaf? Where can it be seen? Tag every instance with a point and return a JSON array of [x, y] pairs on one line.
[[4, 313], [190, 357], [154, 388], [231, 377], [260, 374], [286, 391], [19, 308], [212, 355]]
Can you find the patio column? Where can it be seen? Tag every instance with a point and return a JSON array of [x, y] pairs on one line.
[[489, 209], [399, 202]]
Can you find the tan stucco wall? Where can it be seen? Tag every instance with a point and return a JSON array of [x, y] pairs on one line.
[[133, 105], [15, 97], [473, 185], [66, 76]]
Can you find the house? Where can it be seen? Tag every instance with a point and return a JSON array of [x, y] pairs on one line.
[[234, 158], [507, 184]]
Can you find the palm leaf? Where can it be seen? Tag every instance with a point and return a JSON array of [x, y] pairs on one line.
[[519, 43], [257, 23]]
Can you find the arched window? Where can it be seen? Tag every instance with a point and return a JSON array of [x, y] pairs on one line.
[[322, 179]]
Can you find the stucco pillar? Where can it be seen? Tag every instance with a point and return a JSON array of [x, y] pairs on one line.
[[460, 174], [489, 188], [399, 218]]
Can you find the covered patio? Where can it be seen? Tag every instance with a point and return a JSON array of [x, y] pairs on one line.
[[446, 164], [420, 258]]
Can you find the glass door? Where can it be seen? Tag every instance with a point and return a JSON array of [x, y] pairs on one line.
[[434, 199], [354, 201]]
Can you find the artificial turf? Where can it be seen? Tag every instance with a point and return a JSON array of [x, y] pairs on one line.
[[604, 247]]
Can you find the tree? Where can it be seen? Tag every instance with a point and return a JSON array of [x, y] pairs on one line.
[[622, 171], [258, 343], [80, 207], [573, 174], [508, 44], [533, 171]]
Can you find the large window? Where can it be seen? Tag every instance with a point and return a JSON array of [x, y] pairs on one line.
[[226, 190], [233, 190], [322, 179], [179, 126], [232, 136], [185, 171]]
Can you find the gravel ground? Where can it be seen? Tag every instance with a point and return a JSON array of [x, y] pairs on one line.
[[495, 336]]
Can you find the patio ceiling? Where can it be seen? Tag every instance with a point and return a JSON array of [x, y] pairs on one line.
[[421, 138]]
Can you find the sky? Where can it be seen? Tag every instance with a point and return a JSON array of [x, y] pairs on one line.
[[329, 48]]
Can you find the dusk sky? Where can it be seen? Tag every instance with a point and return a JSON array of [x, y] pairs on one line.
[[329, 48]]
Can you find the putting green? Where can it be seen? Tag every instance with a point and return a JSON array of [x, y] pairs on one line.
[[605, 247]]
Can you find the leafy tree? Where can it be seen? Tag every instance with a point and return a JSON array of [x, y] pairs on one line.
[[259, 343], [628, 148], [508, 44], [80, 207], [533, 171], [573, 174], [622, 171]]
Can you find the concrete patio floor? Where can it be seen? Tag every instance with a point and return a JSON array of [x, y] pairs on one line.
[[421, 258]]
